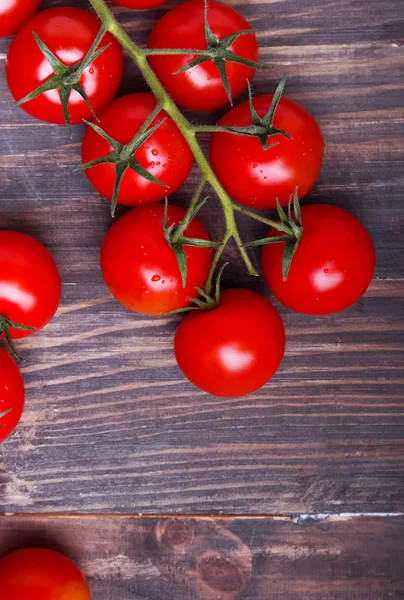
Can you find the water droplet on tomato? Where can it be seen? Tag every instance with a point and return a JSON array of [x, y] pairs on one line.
[[91, 71], [325, 270], [164, 165], [155, 152], [156, 278], [163, 281], [152, 163], [158, 163], [255, 166]]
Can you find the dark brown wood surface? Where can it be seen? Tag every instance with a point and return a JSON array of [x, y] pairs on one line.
[[110, 424], [341, 558]]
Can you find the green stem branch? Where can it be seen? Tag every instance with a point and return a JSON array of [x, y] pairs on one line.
[[139, 56]]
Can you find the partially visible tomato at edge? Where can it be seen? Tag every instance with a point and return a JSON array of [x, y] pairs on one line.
[[165, 154], [30, 286], [141, 270], [201, 87], [69, 33], [233, 349], [39, 574], [14, 13], [332, 267], [11, 397], [256, 177]]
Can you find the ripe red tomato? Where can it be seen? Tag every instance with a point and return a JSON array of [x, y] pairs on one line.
[[14, 13], [233, 349], [68, 33], [201, 87], [30, 285], [141, 269], [11, 396], [38, 574], [139, 4], [257, 177], [332, 267], [165, 154]]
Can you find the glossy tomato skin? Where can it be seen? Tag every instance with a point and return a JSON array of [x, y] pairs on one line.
[[256, 177], [234, 349], [11, 396], [201, 88], [14, 13], [69, 33], [166, 154], [333, 265], [141, 270], [30, 286], [139, 4], [38, 574]]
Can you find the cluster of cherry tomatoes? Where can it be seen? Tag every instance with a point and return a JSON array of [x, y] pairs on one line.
[[63, 68]]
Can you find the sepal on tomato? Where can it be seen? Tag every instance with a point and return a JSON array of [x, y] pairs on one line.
[[5, 325], [291, 222]]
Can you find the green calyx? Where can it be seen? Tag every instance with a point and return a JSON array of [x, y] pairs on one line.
[[3, 414], [5, 325], [122, 156], [205, 301], [261, 128], [176, 239], [65, 78], [291, 228]]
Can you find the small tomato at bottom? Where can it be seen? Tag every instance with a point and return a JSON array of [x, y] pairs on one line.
[[233, 349], [141, 269], [38, 574], [11, 397]]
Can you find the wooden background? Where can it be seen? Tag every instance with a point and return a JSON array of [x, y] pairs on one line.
[[110, 425]]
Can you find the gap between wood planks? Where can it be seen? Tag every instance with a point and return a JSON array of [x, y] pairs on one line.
[[299, 519]]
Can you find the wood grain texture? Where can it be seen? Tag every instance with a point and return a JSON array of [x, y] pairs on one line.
[[224, 559], [110, 424]]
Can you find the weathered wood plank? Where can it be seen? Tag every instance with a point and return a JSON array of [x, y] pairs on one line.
[[110, 424], [252, 559]]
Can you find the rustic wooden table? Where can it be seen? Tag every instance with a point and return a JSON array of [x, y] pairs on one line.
[[112, 430]]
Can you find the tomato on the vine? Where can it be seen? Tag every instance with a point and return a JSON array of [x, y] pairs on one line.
[[165, 155], [332, 267], [141, 269], [201, 87], [14, 13], [68, 33], [39, 574], [233, 349], [11, 396], [255, 176], [30, 286], [139, 4]]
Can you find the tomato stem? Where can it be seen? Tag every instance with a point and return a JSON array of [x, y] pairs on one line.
[[139, 56]]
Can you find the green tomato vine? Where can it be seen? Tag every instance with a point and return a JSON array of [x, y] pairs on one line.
[[139, 55]]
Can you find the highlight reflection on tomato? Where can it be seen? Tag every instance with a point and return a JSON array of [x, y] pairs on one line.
[[30, 286], [38, 574], [14, 13]]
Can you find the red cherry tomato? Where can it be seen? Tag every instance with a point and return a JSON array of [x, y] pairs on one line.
[[332, 267], [141, 269], [139, 4], [30, 286], [201, 87], [37, 574], [257, 177], [233, 349], [165, 154], [11, 396], [68, 33], [14, 13]]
